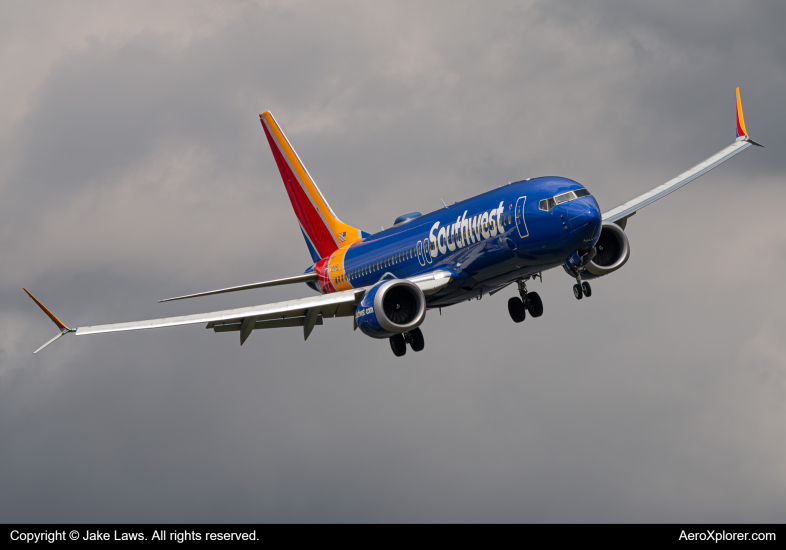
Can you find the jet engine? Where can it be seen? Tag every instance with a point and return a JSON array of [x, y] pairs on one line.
[[391, 307], [612, 251]]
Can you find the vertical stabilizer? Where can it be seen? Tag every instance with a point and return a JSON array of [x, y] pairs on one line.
[[323, 230]]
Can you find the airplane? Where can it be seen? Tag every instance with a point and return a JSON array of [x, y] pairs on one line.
[[388, 280]]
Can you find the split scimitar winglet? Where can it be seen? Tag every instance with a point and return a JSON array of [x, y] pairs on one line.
[[63, 328]]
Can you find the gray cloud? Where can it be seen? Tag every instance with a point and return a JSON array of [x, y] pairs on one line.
[[134, 168]]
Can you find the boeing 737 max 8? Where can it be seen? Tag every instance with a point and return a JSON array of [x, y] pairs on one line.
[[387, 281]]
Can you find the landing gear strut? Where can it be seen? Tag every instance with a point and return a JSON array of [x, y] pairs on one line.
[[581, 289], [529, 302], [415, 339], [398, 342]]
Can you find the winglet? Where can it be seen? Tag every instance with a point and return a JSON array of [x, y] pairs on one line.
[[63, 328], [742, 133]]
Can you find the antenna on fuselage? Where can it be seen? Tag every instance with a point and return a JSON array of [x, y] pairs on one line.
[[443, 202]]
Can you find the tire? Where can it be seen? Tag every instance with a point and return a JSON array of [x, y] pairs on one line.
[[516, 310], [534, 304], [577, 292], [398, 345], [418, 342], [587, 289]]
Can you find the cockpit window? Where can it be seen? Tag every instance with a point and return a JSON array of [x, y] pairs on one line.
[[548, 204]]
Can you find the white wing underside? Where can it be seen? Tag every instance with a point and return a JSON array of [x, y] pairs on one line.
[[280, 314], [630, 207]]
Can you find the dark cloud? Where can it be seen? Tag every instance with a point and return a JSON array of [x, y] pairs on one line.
[[137, 170]]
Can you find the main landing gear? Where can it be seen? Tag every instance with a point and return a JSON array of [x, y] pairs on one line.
[[581, 289], [529, 302], [398, 342]]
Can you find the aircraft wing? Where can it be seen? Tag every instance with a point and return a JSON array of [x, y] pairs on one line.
[[305, 312], [629, 208], [623, 211]]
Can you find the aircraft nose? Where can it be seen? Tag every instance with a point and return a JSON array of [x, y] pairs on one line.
[[584, 219]]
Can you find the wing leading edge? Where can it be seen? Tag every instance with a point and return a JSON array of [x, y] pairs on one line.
[[742, 142]]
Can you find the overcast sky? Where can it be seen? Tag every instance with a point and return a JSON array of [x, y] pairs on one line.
[[133, 167]]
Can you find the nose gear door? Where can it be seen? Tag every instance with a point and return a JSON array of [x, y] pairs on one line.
[[520, 223]]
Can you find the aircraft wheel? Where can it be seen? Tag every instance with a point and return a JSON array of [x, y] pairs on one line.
[[577, 292], [418, 342], [516, 310], [587, 289], [398, 345], [534, 304]]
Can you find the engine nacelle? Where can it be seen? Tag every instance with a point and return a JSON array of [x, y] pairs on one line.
[[390, 308], [613, 250]]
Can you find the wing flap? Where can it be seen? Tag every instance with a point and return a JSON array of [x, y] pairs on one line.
[[259, 325], [290, 308]]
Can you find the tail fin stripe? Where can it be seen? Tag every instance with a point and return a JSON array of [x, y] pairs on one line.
[[308, 215], [741, 131], [297, 168], [325, 230]]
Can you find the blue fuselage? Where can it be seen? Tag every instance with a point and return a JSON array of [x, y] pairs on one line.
[[485, 241]]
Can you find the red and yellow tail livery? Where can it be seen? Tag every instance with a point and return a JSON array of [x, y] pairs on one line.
[[741, 131], [323, 230]]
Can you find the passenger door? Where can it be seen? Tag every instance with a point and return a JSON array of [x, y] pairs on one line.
[[520, 223]]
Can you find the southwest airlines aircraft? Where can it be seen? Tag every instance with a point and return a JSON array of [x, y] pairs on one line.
[[388, 280]]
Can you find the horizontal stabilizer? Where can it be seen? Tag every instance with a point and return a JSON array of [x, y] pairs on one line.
[[305, 278]]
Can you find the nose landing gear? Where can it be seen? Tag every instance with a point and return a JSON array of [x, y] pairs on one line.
[[581, 289], [529, 302]]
